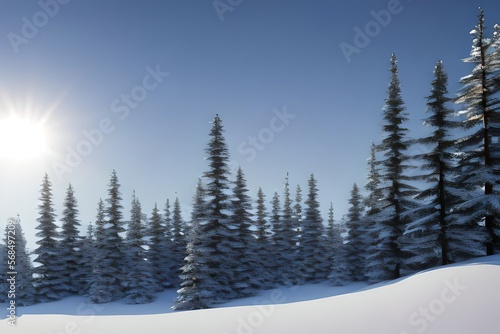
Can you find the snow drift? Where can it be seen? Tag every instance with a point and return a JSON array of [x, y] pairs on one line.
[[454, 299]]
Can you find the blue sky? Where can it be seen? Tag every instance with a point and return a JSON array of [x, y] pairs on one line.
[[88, 64]]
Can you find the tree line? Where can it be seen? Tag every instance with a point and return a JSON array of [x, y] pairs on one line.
[[419, 211]]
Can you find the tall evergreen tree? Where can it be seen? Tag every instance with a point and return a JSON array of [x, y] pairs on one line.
[[73, 276], [98, 290], [139, 279], [178, 241], [87, 246], [14, 257], [340, 273], [357, 238], [214, 249], [244, 280], [315, 266], [387, 259], [478, 172], [276, 239], [192, 286], [48, 274], [159, 251], [427, 237], [114, 253], [264, 269]]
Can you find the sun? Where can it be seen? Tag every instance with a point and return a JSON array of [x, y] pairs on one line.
[[21, 138]]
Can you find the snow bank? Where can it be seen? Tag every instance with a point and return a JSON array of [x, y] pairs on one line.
[[454, 299]]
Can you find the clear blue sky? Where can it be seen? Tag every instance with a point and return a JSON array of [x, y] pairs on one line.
[[76, 69]]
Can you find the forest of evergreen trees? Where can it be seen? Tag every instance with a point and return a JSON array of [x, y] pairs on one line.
[[420, 211]]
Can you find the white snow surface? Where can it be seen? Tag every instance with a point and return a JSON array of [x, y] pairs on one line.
[[463, 298]]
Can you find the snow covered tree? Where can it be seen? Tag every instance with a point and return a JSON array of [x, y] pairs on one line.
[[387, 259], [139, 279], [113, 249], [48, 274], [244, 281], [98, 290], [314, 264], [357, 238], [110, 266], [15, 241], [178, 241], [73, 276], [214, 248], [159, 251], [262, 249], [480, 148], [192, 286], [340, 273], [87, 246], [426, 239], [276, 236]]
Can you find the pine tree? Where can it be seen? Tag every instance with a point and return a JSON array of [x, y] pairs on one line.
[[427, 237], [99, 291], [276, 239], [244, 280], [139, 279], [213, 250], [315, 266], [192, 286], [340, 273], [15, 258], [478, 169], [357, 238], [264, 269], [114, 253], [387, 259], [48, 274], [178, 241], [87, 246], [73, 276], [373, 186], [159, 251]]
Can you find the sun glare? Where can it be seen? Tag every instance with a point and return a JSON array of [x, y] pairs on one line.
[[21, 138]]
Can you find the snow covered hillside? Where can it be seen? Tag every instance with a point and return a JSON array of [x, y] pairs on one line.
[[455, 299]]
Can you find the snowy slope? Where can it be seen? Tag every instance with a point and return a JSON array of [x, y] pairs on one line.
[[455, 299]]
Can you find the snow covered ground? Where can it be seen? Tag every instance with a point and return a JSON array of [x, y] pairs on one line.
[[456, 299]]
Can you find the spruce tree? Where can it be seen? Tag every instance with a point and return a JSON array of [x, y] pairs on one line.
[[139, 280], [262, 249], [213, 250], [244, 281], [99, 291], [48, 274], [191, 293], [340, 273], [73, 276], [276, 239], [427, 237], [178, 241], [114, 253], [357, 238], [314, 265], [87, 246], [387, 259], [159, 251], [478, 165]]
